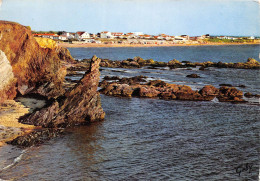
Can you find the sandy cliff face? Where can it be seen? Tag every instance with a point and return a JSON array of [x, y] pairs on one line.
[[32, 65]]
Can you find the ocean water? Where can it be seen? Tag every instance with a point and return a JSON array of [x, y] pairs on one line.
[[152, 139], [229, 53]]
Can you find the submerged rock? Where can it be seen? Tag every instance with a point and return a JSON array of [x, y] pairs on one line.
[[250, 95], [193, 76], [36, 137]]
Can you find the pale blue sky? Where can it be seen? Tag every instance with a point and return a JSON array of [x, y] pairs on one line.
[[174, 17]]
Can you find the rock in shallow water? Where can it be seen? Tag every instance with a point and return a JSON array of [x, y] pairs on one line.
[[163, 90], [80, 105]]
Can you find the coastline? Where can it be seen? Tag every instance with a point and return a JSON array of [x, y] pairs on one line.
[[101, 45], [10, 127]]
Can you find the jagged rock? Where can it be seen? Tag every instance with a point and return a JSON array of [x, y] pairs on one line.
[[64, 54], [227, 94], [80, 105]]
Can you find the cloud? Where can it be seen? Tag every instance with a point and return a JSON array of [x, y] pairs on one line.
[[0, 3]]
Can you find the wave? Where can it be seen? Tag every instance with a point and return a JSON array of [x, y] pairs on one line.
[[16, 160]]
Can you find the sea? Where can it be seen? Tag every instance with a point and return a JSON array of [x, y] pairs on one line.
[[153, 139]]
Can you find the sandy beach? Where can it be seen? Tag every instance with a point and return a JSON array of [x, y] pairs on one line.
[[10, 128], [78, 45]]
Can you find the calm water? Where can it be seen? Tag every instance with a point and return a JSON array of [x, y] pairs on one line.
[[151, 139], [232, 53]]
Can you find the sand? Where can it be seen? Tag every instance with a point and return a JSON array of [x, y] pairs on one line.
[[77, 45], [10, 128]]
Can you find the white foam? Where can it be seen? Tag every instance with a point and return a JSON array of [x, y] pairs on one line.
[[215, 100], [16, 160]]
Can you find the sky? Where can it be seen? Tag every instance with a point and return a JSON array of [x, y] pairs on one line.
[[173, 17]]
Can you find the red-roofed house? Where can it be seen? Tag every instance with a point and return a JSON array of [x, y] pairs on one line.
[[117, 34], [82, 35]]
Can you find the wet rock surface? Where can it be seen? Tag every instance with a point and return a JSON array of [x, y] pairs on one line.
[[133, 87], [36, 137], [138, 62], [193, 76]]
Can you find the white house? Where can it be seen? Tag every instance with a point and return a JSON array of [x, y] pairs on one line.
[[137, 33], [181, 38], [81, 35], [68, 35], [105, 34], [63, 37]]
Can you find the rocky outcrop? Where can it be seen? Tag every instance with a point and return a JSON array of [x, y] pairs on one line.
[[229, 94], [138, 62], [80, 105], [33, 66], [30, 67], [128, 87]]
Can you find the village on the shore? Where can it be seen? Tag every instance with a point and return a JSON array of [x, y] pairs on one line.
[[107, 37]]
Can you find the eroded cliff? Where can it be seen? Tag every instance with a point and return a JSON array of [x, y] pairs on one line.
[[33, 67]]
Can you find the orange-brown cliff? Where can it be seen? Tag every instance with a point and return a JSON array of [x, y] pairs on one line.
[[28, 67], [35, 69]]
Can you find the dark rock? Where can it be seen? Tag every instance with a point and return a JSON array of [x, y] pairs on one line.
[[250, 95], [36, 137], [202, 68], [157, 83], [230, 94], [242, 86], [226, 85], [163, 90], [193, 76], [111, 78]]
